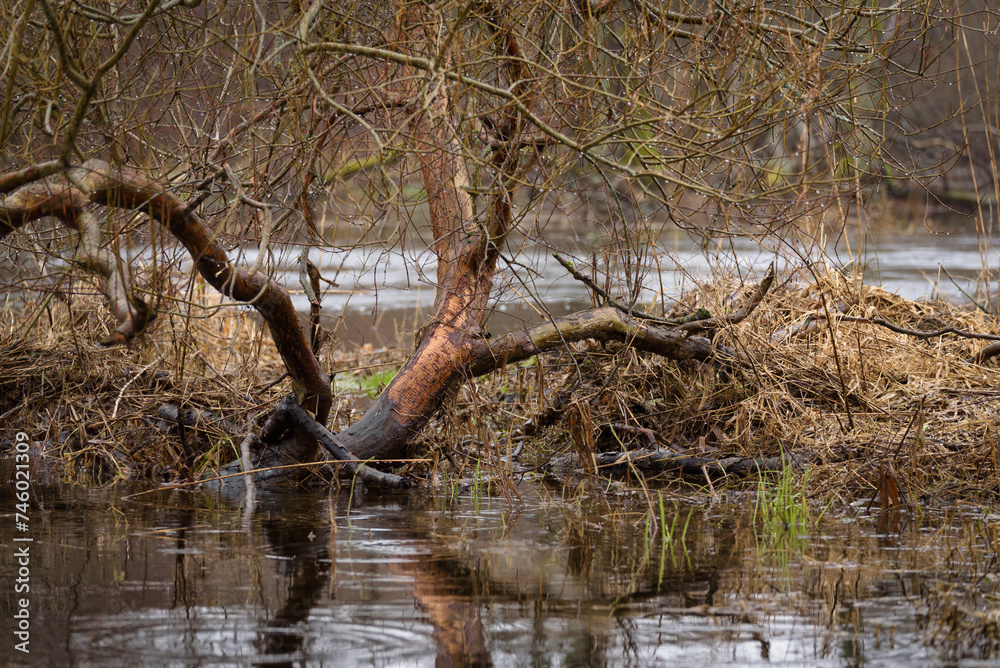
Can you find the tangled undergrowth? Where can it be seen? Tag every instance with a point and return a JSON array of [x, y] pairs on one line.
[[874, 413]]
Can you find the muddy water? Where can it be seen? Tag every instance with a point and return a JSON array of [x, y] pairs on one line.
[[566, 578]]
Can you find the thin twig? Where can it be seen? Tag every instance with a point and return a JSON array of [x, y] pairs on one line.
[[608, 299], [739, 314], [916, 333]]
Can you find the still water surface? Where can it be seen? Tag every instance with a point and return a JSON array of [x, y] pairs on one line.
[[387, 293], [566, 578]]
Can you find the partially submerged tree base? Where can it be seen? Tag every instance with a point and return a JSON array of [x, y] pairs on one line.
[[780, 394], [287, 438]]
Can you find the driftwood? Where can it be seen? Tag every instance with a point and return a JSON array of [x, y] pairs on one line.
[[195, 417], [653, 462], [284, 447], [658, 458]]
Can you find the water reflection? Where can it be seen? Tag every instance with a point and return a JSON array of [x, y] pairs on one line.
[[187, 578]]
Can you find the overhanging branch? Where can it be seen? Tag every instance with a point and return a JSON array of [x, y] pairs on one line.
[[67, 197]]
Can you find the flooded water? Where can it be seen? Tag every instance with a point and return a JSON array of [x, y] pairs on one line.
[[558, 578], [385, 294], [566, 578], [385, 289]]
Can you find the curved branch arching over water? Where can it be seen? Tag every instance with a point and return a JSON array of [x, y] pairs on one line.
[[68, 196]]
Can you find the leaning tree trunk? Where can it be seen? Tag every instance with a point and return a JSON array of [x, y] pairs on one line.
[[451, 346]]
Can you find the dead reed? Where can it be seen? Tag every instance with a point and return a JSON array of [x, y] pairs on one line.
[[816, 381]]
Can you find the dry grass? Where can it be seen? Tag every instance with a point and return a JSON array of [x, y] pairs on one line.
[[865, 399], [855, 399], [92, 413]]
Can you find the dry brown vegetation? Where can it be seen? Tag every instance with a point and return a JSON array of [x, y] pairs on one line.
[[853, 401], [161, 145]]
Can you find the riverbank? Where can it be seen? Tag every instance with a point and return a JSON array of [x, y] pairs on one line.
[[873, 414]]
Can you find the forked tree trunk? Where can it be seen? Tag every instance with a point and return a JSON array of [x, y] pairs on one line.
[[451, 347], [466, 249]]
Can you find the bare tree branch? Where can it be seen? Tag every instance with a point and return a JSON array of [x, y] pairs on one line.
[[121, 188]]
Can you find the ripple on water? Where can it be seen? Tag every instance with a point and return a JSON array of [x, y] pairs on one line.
[[382, 635]]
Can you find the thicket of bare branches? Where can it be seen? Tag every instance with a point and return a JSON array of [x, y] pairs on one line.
[[237, 134]]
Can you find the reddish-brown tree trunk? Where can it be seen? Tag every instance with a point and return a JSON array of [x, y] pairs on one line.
[[466, 262]]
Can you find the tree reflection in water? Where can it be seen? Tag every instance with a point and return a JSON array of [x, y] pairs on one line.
[[181, 578]]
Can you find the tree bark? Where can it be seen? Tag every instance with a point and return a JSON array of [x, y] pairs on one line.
[[451, 348], [466, 249]]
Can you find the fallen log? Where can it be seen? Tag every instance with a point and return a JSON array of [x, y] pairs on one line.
[[173, 415], [653, 462]]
